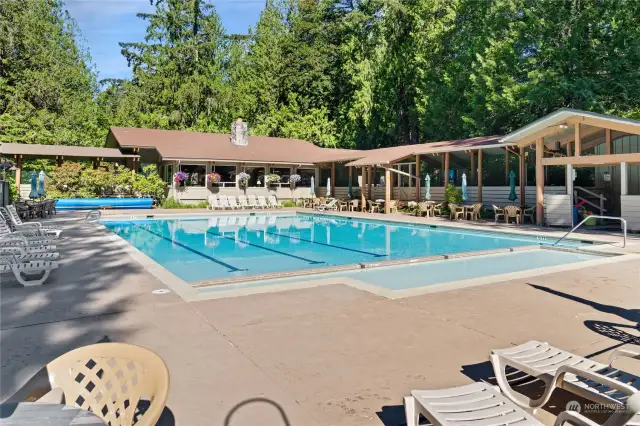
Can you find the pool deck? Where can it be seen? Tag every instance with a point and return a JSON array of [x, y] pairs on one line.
[[328, 355]]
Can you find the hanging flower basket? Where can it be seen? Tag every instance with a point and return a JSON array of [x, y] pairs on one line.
[[180, 177], [243, 179], [294, 179], [214, 178], [272, 178]]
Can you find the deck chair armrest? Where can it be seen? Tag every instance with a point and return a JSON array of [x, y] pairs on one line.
[[574, 418], [619, 353], [38, 386], [591, 375]]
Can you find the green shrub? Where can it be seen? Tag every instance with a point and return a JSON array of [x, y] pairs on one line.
[[289, 203], [172, 203], [453, 195]]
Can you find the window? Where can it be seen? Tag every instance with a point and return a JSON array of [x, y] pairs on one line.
[[257, 176], [305, 177], [283, 172], [227, 175], [196, 174], [168, 174]]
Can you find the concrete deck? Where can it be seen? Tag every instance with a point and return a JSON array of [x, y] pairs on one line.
[[330, 355]]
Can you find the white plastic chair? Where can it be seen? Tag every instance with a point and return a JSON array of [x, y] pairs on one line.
[[23, 271], [262, 202], [252, 201], [231, 199]]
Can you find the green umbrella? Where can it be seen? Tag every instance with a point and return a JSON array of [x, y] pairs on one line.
[[512, 184], [34, 186]]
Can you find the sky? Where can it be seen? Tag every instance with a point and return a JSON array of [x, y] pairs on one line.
[[105, 23]]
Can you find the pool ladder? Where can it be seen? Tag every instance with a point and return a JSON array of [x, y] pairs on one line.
[[624, 227], [90, 215]]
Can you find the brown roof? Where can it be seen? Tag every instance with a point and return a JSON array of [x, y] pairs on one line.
[[173, 144], [395, 153], [60, 150]]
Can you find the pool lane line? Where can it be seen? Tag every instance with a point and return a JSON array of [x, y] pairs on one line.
[[214, 260], [325, 244], [313, 262]]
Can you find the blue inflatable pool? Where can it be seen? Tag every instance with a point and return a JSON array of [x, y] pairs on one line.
[[109, 203]]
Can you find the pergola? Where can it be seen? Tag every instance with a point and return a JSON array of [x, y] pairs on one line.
[[60, 152]]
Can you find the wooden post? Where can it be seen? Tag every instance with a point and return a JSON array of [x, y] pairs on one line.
[[18, 172], [363, 197], [333, 180], [608, 143], [539, 182], [523, 178], [350, 177], [369, 182], [480, 176], [418, 178], [578, 140], [59, 161], [570, 149], [446, 169], [472, 167], [387, 191], [507, 166]]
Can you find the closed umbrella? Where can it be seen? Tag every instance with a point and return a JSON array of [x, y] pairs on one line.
[[452, 176], [465, 197], [512, 184], [313, 186], [41, 191], [328, 187], [34, 186], [427, 185]]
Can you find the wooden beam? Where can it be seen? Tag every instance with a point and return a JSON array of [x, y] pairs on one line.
[[585, 133], [540, 182], [593, 160], [607, 124], [547, 131], [507, 166], [369, 182], [363, 198], [18, 172], [608, 142], [387, 191], [472, 167], [446, 169], [577, 139], [418, 178], [523, 178], [480, 175], [350, 177], [333, 179]]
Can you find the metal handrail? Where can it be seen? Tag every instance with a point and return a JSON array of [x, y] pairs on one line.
[[624, 227], [86, 219]]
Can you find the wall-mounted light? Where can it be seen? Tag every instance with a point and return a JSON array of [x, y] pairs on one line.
[[564, 126]]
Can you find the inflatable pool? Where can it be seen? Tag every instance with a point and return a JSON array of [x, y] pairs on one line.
[[109, 203]]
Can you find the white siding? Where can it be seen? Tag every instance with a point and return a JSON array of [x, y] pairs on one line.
[[630, 205], [196, 194], [557, 210]]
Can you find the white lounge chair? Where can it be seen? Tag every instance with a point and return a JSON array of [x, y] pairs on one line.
[[11, 213], [332, 204], [24, 270], [252, 201], [27, 236], [262, 202], [214, 204], [242, 199], [561, 369], [275, 202], [231, 199], [25, 246], [224, 202], [480, 404]]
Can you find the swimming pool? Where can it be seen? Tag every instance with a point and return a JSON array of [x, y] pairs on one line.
[[220, 247]]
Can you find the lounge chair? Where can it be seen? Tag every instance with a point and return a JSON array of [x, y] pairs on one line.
[[512, 212], [482, 405], [24, 270], [252, 201], [561, 369], [231, 199], [498, 212], [214, 204], [19, 254], [11, 213], [332, 204], [108, 379], [473, 212], [28, 236], [26, 247], [275, 202], [455, 211], [242, 200], [224, 202], [262, 202]]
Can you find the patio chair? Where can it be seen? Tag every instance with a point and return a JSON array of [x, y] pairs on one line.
[[10, 213], [424, 209], [354, 206], [393, 206], [374, 207], [473, 212], [512, 212], [253, 202], [455, 211], [595, 381], [343, 205], [231, 200], [108, 379], [262, 202], [24, 271], [482, 405], [274, 202], [437, 209], [242, 200], [498, 212], [529, 213]]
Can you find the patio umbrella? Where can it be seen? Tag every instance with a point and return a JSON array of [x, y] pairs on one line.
[[328, 187], [313, 186], [427, 185], [452, 175], [34, 186], [41, 191], [512, 184], [465, 197]]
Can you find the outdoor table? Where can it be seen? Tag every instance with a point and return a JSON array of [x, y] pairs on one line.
[[466, 208], [33, 413]]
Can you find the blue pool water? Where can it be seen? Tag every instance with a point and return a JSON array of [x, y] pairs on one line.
[[240, 245]]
